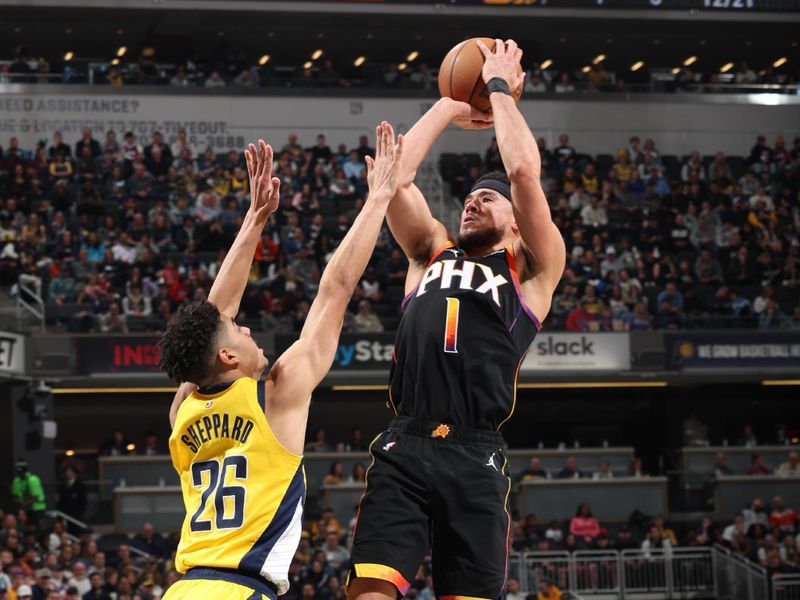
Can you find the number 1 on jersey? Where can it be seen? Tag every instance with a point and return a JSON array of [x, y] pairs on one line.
[[451, 326]]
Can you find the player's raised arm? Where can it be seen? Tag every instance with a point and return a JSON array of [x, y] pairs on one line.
[[543, 254], [409, 217], [226, 292], [229, 285], [300, 369]]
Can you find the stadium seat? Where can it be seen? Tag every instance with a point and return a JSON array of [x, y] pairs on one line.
[[737, 164], [604, 162], [110, 542], [447, 165], [672, 167]]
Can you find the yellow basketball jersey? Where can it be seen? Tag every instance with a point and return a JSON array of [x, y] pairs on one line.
[[243, 491]]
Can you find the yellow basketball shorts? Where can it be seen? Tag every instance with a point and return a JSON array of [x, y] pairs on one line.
[[218, 583]]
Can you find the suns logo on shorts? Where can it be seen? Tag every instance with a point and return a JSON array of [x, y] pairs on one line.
[[441, 431]]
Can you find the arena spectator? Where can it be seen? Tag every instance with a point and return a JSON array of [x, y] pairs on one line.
[[72, 494], [790, 468], [533, 471], [783, 517], [758, 466], [720, 468], [603, 471], [584, 525], [319, 444], [365, 320], [150, 542], [581, 319], [564, 84], [570, 470], [335, 475], [655, 541], [635, 467], [755, 515], [27, 492]]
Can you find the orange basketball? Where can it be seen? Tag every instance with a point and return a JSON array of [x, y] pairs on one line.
[[460, 75]]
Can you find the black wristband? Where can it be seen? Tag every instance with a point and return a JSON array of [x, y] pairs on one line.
[[498, 84]]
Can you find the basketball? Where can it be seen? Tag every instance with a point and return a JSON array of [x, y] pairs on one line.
[[460, 75]]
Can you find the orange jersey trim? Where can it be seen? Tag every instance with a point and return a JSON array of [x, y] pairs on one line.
[[384, 573]]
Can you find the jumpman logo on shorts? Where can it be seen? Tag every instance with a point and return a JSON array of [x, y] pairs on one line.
[[491, 462]]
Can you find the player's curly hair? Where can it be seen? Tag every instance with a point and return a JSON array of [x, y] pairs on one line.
[[498, 175], [188, 345]]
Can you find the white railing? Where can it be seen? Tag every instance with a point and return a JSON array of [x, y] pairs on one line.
[[738, 578], [597, 573], [442, 206], [29, 298], [786, 587], [57, 514], [630, 574]]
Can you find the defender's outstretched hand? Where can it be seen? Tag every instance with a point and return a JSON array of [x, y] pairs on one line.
[[264, 188], [383, 172], [503, 62]]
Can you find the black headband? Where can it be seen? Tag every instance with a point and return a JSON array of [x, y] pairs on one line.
[[501, 187]]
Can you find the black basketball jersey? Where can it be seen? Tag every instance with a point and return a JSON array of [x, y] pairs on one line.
[[461, 341]]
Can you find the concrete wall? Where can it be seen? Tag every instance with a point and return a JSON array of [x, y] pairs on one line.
[[679, 123]]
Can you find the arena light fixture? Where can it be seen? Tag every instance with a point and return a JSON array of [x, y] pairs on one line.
[[130, 447], [264, 59], [115, 62], [402, 67], [586, 69], [637, 65], [726, 67], [69, 56], [308, 64], [359, 61], [69, 453], [121, 51], [690, 61], [676, 70], [546, 64], [412, 56], [598, 59], [317, 54], [780, 62]]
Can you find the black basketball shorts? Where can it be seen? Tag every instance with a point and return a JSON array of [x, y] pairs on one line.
[[441, 487]]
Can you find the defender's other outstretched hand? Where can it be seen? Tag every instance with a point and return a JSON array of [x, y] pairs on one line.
[[264, 188], [383, 171], [503, 62]]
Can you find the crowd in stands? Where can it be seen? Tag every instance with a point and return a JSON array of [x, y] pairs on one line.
[[658, 241], [228, 68], [42, 561], [116, 234], [43, 554]]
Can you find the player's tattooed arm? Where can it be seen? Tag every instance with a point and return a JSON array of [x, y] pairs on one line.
[[230, 283]]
